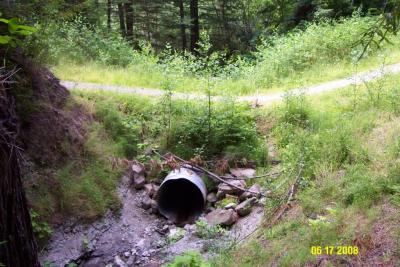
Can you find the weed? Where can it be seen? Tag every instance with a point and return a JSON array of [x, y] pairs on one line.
[[41, 229], [188, 259], [206, 231]]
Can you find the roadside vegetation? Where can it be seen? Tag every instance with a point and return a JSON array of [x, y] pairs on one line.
[[346, 144], [298, 58]]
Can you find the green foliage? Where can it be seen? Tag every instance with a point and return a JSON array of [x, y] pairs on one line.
[[188, 259], [178, 235], [296, 51], [14, 32], [204, 230], [41, 229], [233, 131], [77, 41]]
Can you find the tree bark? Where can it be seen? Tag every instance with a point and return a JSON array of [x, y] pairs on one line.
[[129, 20], [109, 8], [18, 247], [194, 27], [121, 19], [182, 22]]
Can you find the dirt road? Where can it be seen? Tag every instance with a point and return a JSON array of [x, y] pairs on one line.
[[261, 99]]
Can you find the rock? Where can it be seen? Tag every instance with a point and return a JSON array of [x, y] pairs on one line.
[[224, 189], [133, 252], [139, 181], [145, 254], [212, 198], [138, 168], [243, 173], [127, 254], [141, 244], [190, 228], [255, 188], [154, 206], [151, 190], [146, 202], [222, 217], [244, 208], [230, 206], [119, 262]]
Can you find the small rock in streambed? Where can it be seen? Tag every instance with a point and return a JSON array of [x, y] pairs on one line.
[[224, 189], [119, 262], [212, 197], [244, 208], [151, 190], [146, 202], [222, 217], [138, 181], [230, 206], [256, 188], [243, 173], [154, 206]]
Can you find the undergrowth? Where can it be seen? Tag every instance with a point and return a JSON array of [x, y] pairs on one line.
[[323, 51], [350, 174]]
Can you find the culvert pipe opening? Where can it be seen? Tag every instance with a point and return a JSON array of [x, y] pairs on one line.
[[182, 196]]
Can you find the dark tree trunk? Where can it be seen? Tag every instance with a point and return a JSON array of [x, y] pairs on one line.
[[17, 242], [121, 19], [194, 26], [109, 8], [129, 20], [182, 22]]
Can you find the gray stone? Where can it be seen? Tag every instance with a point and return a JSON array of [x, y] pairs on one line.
[[141, 244], [212, 198], [224, 189], [230, 206], [244, 208], [254, 188], [139, 181], [243, 173], [146, 202], [222, 217], [127, 254], [151, 190], [138, 168], [154, 206], [119, 262]]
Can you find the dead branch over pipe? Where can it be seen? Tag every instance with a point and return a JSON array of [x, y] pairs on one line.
[[209, 173]]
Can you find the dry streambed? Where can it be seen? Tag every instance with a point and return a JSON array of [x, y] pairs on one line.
[[139, 236]]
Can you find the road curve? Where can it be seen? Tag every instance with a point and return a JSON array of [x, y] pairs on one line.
[[355, 79]]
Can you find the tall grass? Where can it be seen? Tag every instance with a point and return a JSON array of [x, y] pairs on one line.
[[322, 51]]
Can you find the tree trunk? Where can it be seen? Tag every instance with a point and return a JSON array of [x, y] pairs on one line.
[[129, 20], [121, 19], [109, 8], [182, 22], [17, 242], [194, 27]]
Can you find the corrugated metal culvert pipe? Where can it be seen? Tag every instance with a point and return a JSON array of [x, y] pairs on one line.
[[182, 196]]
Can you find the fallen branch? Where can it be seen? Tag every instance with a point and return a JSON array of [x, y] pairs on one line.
[[193, 167], [253, 177]]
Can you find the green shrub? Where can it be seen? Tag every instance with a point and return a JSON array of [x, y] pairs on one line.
[[319, 43], [233, 132], [361, 189], [188, 259], [41, 229], [204, 230]]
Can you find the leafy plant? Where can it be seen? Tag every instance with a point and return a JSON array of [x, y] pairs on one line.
[[15, 31], [204, 230], [41, 229], [188, 259]]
